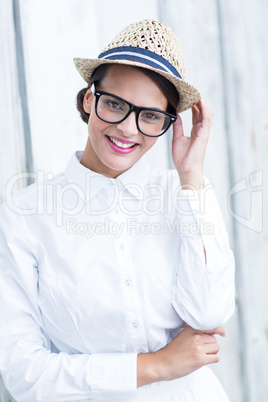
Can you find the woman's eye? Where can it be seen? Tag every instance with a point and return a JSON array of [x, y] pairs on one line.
[[150, 116], [112, 104]]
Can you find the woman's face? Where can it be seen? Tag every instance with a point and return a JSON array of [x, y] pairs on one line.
[[101, 154]]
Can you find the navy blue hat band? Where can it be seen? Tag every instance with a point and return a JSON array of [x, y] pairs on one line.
[[140, 55]]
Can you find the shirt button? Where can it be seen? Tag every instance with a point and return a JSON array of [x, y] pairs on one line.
[[140, 351], [122, 246], [128, 282], [135, 324], [117, 211]]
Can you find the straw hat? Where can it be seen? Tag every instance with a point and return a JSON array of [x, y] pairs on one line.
[[147, 44]]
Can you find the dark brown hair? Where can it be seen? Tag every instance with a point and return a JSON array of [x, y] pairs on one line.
[[163, 84]]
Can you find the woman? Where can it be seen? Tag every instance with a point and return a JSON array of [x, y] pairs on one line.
[[115, 277]]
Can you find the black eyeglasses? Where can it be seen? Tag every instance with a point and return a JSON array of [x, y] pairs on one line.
[[113, 109]]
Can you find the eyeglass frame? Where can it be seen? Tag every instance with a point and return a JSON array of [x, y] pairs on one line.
[[132, 108]]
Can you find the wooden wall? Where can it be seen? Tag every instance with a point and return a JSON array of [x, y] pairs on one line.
[[225, 44]]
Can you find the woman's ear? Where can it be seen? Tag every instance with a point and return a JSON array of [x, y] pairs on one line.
[[87, 102]]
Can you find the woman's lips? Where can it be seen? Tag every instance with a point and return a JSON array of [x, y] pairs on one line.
[[119, 145], [123, 141]]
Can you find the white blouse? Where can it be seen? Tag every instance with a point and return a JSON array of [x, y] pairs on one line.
[[95, 270]]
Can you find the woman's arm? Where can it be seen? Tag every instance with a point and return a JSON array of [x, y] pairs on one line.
[[203, 291], [189, 351]]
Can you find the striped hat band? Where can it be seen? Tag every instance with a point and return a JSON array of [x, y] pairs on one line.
[[141, 55]]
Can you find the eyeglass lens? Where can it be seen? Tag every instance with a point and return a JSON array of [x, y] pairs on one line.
[[113, 110]]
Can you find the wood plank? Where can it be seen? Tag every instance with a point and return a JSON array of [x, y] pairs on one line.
[[245, 27], [52, 79], [12, 150]]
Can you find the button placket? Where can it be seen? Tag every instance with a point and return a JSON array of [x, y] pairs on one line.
[[126, 274], [128, 282]]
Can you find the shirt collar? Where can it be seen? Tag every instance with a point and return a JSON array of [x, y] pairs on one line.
[[91, 182]]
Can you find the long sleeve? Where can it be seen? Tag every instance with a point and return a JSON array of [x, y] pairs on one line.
[[203, 291], [31, 371]]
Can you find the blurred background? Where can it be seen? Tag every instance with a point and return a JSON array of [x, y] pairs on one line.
[[225, 46]]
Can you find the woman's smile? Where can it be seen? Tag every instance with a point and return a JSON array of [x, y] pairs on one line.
[[120, 145]]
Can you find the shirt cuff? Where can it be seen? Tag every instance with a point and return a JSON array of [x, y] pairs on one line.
[[113, 375]]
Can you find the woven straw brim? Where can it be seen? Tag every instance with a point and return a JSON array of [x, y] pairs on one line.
[[188, 94]]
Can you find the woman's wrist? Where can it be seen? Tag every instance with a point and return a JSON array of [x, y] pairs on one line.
[[148, 369], [192, 181]]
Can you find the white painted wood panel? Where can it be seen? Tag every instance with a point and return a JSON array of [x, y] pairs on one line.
[[245, 29], [12, 150], [52, 36]]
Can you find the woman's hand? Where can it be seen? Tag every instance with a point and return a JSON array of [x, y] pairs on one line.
[[189, 351], [189, 152]]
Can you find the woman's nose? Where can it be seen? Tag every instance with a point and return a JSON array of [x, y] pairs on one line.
[[129, 125]]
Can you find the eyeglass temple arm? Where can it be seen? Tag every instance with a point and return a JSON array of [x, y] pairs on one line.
[[92, 88]]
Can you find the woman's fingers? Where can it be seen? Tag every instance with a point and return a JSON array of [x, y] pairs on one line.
[[211, 348], [206, 352], [215, 331], [206, 114], [201, 117], [178, 128], [196, 113], [204, 338]]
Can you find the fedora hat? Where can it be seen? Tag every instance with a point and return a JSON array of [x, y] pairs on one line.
[[148, 44]]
